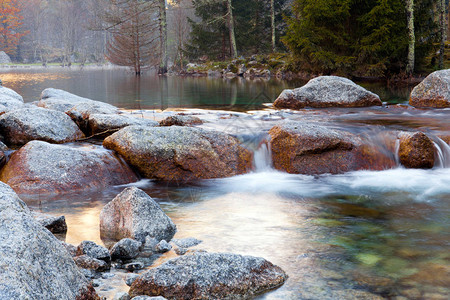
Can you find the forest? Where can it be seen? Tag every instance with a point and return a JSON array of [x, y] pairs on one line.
[[381, 38]]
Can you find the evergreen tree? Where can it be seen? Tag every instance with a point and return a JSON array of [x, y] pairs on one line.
[[356, 36]]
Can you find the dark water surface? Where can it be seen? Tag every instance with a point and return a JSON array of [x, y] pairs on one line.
[[358, 235], [121, 88]]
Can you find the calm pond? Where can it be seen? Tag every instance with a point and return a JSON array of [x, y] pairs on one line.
[[358, 235]]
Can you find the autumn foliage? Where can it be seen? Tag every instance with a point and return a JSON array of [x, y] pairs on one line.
[[10, 25]]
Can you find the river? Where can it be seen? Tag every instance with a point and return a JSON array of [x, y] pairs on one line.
[[358, 235]]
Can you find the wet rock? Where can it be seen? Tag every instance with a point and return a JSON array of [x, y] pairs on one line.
[[93, 250], [131, 278], [180, 153], [88, 273], [125, 249], [433, 91], [9, 99], [3, 147], [256, 72], [90, 263], [133, 214], [180, 250], [187, 242], [180, 120], [163, 247], [34, 264], [78, 108], [2, 159], [53, 224], [148, 298], [99, 123], [209, 276], [150, 243], [327, 91], [40, 167], [121, 296], [134, 266], [23, 125], [416, 150], [304, 148]]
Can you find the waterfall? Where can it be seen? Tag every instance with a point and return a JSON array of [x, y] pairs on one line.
[[262, 157], [442, 153]]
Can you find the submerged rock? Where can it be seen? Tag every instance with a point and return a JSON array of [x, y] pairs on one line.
[[125, 249], [40, 167], [99, 123], [134, 214], [33, 263], [304, 148], [20, 126], [9, 100], [433, 91], [52, 223], [327, 91], [209, 276], [416, 150], [180, 153], [181, 120], [186, 242]]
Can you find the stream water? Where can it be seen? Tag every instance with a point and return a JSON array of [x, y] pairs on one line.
[[358, 235]]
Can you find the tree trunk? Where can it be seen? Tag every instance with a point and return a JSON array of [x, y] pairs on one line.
[[272, 18], [163, 37], [411, 35], [443, 29], [231, 29]]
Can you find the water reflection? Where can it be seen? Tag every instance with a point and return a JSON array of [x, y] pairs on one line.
[[121, 88]]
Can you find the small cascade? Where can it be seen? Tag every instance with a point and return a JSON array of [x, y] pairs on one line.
[[262, 157], [442, 153], [396, 152]]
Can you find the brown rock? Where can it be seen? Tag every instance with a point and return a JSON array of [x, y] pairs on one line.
[[433, 91], [433, 274], [40, 167], [180, 153], [302, 148], [180, 120], [416, 150], [87, 262]]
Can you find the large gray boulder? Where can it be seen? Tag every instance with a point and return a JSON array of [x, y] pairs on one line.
[[40, 167], [327, 91], [433, 91], [133, 214], [20, 126], [9, 99], [210, 276], [180, 153], [78, 108], [305, 148], [33, 263], [99, 123]]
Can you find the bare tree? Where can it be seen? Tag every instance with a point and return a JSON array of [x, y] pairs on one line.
[[179, 28], [133, 38]]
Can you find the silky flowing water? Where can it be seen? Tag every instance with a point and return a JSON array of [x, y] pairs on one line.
[[358, 235]]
